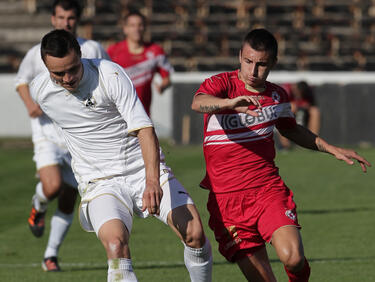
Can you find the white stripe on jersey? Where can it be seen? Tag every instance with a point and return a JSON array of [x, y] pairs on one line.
[[146, 67], [238, 141], [235, 136]]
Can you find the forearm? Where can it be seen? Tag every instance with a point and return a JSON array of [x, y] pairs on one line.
[[150, 153], [24, 92], [307, 139], [204, 103]]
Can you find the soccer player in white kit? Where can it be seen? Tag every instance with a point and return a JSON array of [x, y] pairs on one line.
[[116, 156], [50, 153]]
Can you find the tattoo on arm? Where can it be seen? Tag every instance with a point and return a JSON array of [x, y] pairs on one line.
[[209, 109], [320, 146]]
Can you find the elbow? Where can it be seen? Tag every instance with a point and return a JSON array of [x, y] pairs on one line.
[[194, 106]]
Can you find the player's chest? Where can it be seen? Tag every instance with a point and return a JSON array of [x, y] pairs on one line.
[[70, 110]]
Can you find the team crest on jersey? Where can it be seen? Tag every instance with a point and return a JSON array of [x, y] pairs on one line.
[[90, 102], [275, 96], [291, 215]]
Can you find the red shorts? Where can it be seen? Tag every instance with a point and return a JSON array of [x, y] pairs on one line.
[[243, 221]]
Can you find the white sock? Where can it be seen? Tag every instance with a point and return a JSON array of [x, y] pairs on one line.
[[60, 224], [121, 270], [40, 200], [199, 262]]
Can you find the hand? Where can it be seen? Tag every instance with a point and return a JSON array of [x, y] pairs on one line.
[[241, 104], [34, 110], [151, 198], [348, 156]]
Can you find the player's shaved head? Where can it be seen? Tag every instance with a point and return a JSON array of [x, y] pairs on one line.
[[58, 43], [67, 5], [262, 40]]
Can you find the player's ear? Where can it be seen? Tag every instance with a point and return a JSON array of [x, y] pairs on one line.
[[239, 55], [53, 20]]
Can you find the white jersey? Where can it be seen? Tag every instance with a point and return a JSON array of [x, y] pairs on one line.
[[32, 65], [96, 120]]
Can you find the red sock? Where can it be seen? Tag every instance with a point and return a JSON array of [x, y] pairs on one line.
[[300, 276]]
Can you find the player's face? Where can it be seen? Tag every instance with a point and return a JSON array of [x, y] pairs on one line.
[[65, 19], [67, 71], [134, 28], [255, 66]]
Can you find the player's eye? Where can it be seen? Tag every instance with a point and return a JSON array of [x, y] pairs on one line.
[[59, 73]]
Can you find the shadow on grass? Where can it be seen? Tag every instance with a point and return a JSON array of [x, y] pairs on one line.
[[167, 265], [139, 265], [343, 210]]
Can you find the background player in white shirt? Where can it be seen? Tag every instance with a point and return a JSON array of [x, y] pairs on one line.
[[50, 153], [116, 156]]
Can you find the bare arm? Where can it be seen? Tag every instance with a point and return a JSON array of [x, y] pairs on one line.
[[305, 138], [204, 103], [33, 108], [165, 83], [314, 119], [151, 156]]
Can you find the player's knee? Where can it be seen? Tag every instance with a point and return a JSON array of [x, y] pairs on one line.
[[294, 261], [51, 188], [195, 236], [115, 247]]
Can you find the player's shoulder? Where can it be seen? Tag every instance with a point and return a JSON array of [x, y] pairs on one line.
[[34, 51], [273, 87], [154, 47], [224, 77], [39, 84], [117, 45]]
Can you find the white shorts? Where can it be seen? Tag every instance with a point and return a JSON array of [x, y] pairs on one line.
[[117, 198], [48, 150]]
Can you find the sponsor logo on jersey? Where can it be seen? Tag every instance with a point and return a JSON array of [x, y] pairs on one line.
[[243, 120], [90, 102]]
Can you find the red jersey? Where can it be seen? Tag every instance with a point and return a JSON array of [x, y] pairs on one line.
[[238, 148], [141, 67]]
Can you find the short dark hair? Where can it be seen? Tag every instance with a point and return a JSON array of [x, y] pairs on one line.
[[58, 43], [261, 40], [134, 13], [68, 5]]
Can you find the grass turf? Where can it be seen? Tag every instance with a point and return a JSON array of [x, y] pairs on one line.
[[335, 207]]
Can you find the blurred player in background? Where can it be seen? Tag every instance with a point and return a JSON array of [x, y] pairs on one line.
[[116, 156], [50, 153], [304, 107], [141, 60], [249, 204]]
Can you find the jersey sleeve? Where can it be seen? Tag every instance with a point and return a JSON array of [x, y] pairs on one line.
[[163, 67], [215, 86], [123, 94], [26, 71], [286, 119]]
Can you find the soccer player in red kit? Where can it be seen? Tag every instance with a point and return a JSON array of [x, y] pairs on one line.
[[249, 204], [141, 60]]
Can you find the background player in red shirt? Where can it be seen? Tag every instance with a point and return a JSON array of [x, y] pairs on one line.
[[249, 204], [140, 59]]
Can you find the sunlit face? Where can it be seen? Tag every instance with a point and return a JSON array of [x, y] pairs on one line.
[[67, 71], [65, 19], [255, 66], [134, 28]]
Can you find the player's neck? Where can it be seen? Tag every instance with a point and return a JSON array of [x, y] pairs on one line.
[[135, 47], [257, 89]]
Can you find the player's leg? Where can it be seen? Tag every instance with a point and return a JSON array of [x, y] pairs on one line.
[[46, 190], [112, 223], [278, 224], [177, 209], [256, 266], [60, 223], [288, 245]]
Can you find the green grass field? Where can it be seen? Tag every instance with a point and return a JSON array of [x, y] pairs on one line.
[[335, 206]]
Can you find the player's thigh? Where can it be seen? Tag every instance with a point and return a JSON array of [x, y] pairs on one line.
[[256, 267]]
